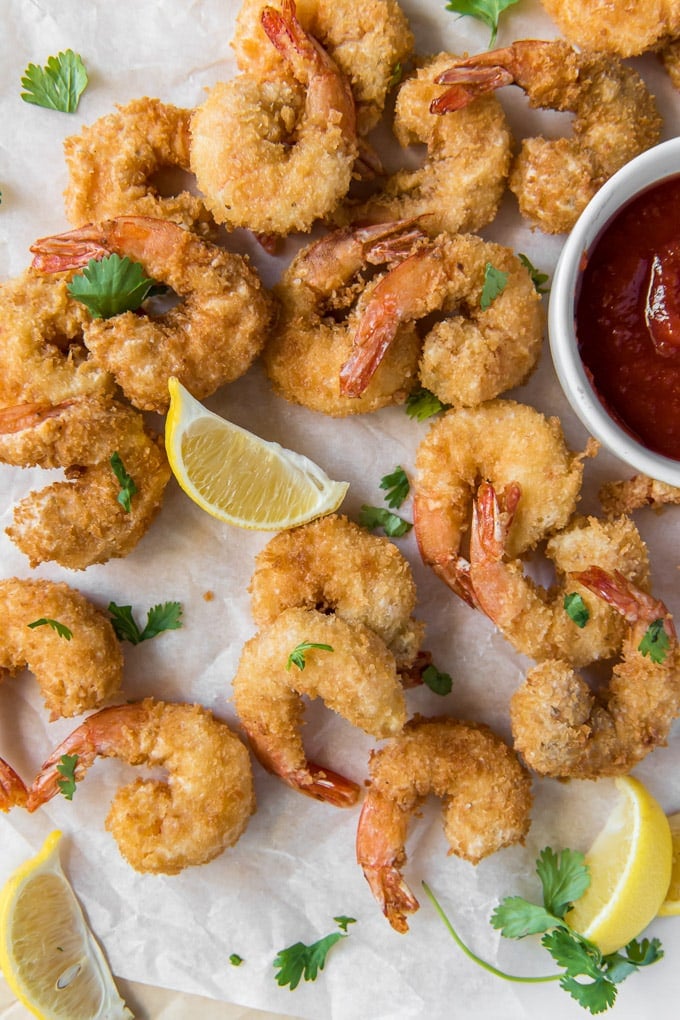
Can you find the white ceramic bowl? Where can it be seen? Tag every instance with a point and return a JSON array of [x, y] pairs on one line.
[[655, 165]]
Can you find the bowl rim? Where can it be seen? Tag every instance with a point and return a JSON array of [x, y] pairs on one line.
[[649, 168]]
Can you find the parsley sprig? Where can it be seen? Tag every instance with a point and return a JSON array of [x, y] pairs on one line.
[[165, 616], [297, 656], [564, 878], [495, 281], [305, 961], [422, 404], [576, 609], [488, 11], [538, 278], [111, 285], [128, 487], [655, 642], [58, 85], [397, 487], [61, 628], [67, 768]]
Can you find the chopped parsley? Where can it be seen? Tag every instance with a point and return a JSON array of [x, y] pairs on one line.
[[422, 404], [165, 616], [67, 768], [305, 961], [655, 642], [494, 284], [576, 609], [397, 487], [537, 278], [297, 656], [440, 683], [373, 517], [61, 628], [127, 484]]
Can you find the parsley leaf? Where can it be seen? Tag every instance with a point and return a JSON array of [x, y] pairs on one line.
[[397, 487], [494, 284], [537, 277], [111, 285], [564, 877], [61, 628], [297, 656], [165, 616], [655, 642], [235, 960], [372, 517], [127, 484], [576, 609], [488, 11], [516, 917], [440, 683], [302, 961], [422, 404], [67, 768], [58, 85]]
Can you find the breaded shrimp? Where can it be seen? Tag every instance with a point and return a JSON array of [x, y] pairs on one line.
[[335, 566], [210, 338], [623, 497], [81, 521], [321, 296], [615, 118], [562, 728], [477, 348], [369, 42], [275, 155], [508, 444], [75, 672], [534, 619], [346, 664], [13, 790], [112, 164], [163, 826], [486, 794], [42, 355], [459, 185], [624, 28]]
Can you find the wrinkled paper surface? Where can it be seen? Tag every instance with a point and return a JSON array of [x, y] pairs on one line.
[[294, 869]]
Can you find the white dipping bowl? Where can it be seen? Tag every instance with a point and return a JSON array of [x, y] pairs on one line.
[[651, 167]]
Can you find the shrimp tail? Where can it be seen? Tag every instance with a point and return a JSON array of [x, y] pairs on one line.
[[630, 601], [70, 250], [379, 325], [380, 853], [467, 84], [330, 787], [13, 792]]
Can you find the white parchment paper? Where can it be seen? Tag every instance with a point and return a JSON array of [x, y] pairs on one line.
[[294, 869]]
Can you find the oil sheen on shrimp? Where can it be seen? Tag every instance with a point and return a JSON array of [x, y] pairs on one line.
[[369, 43], [615, 119], [209, 338], [475, 350], [459, 185], [321, 296], [42, 354], [112, 164], [276, 154], [81, 521], [335, 566], [563, 728], [509, 444], [345, 664], [535, 619], [485, 790], [164, 825]]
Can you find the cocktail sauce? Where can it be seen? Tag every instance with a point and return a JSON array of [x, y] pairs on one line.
[[628, 317]]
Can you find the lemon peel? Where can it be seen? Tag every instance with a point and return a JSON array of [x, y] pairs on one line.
[[671, 905]]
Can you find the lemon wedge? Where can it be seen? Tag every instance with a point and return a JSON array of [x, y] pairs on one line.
[[630, 870], [48, 954], [671, 905], [240, 478]]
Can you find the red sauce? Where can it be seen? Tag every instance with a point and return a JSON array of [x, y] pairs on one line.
[[628, 317]]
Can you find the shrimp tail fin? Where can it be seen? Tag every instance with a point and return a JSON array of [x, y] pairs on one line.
[[70, 250], [13, 792], [374, 337], [328, 786], [392, 893], [467, 84]]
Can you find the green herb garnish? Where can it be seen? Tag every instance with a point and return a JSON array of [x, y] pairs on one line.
[[58, 85], [305, 961], [494, 284], [488, 11], [165, 616], [576, 609], [127, 484], [397, 487], [235, 960], [297, 656], [422, 404], [655, 642], [61, 628], [372, 517], [564, 877], [111, 285], [537, 278], [67, 768], [440, 683]]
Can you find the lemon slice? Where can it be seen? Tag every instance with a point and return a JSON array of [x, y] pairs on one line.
[[48, 954], [671, 905], [240, 478], [630, 870]]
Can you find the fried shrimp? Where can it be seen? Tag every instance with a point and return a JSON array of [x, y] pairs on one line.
[[112, 164], [535, 620], [620, 27], [369, 43], [335, 566], [509, 444], [275, 155], [627, 495], [615, 118], [478, 348], [77, 669], [42, 355], [163, 826], [13, 790], [321, 295], [345, 664], [562, 728], [460, 183], [485, 790], [98, 441], [210, 338]]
